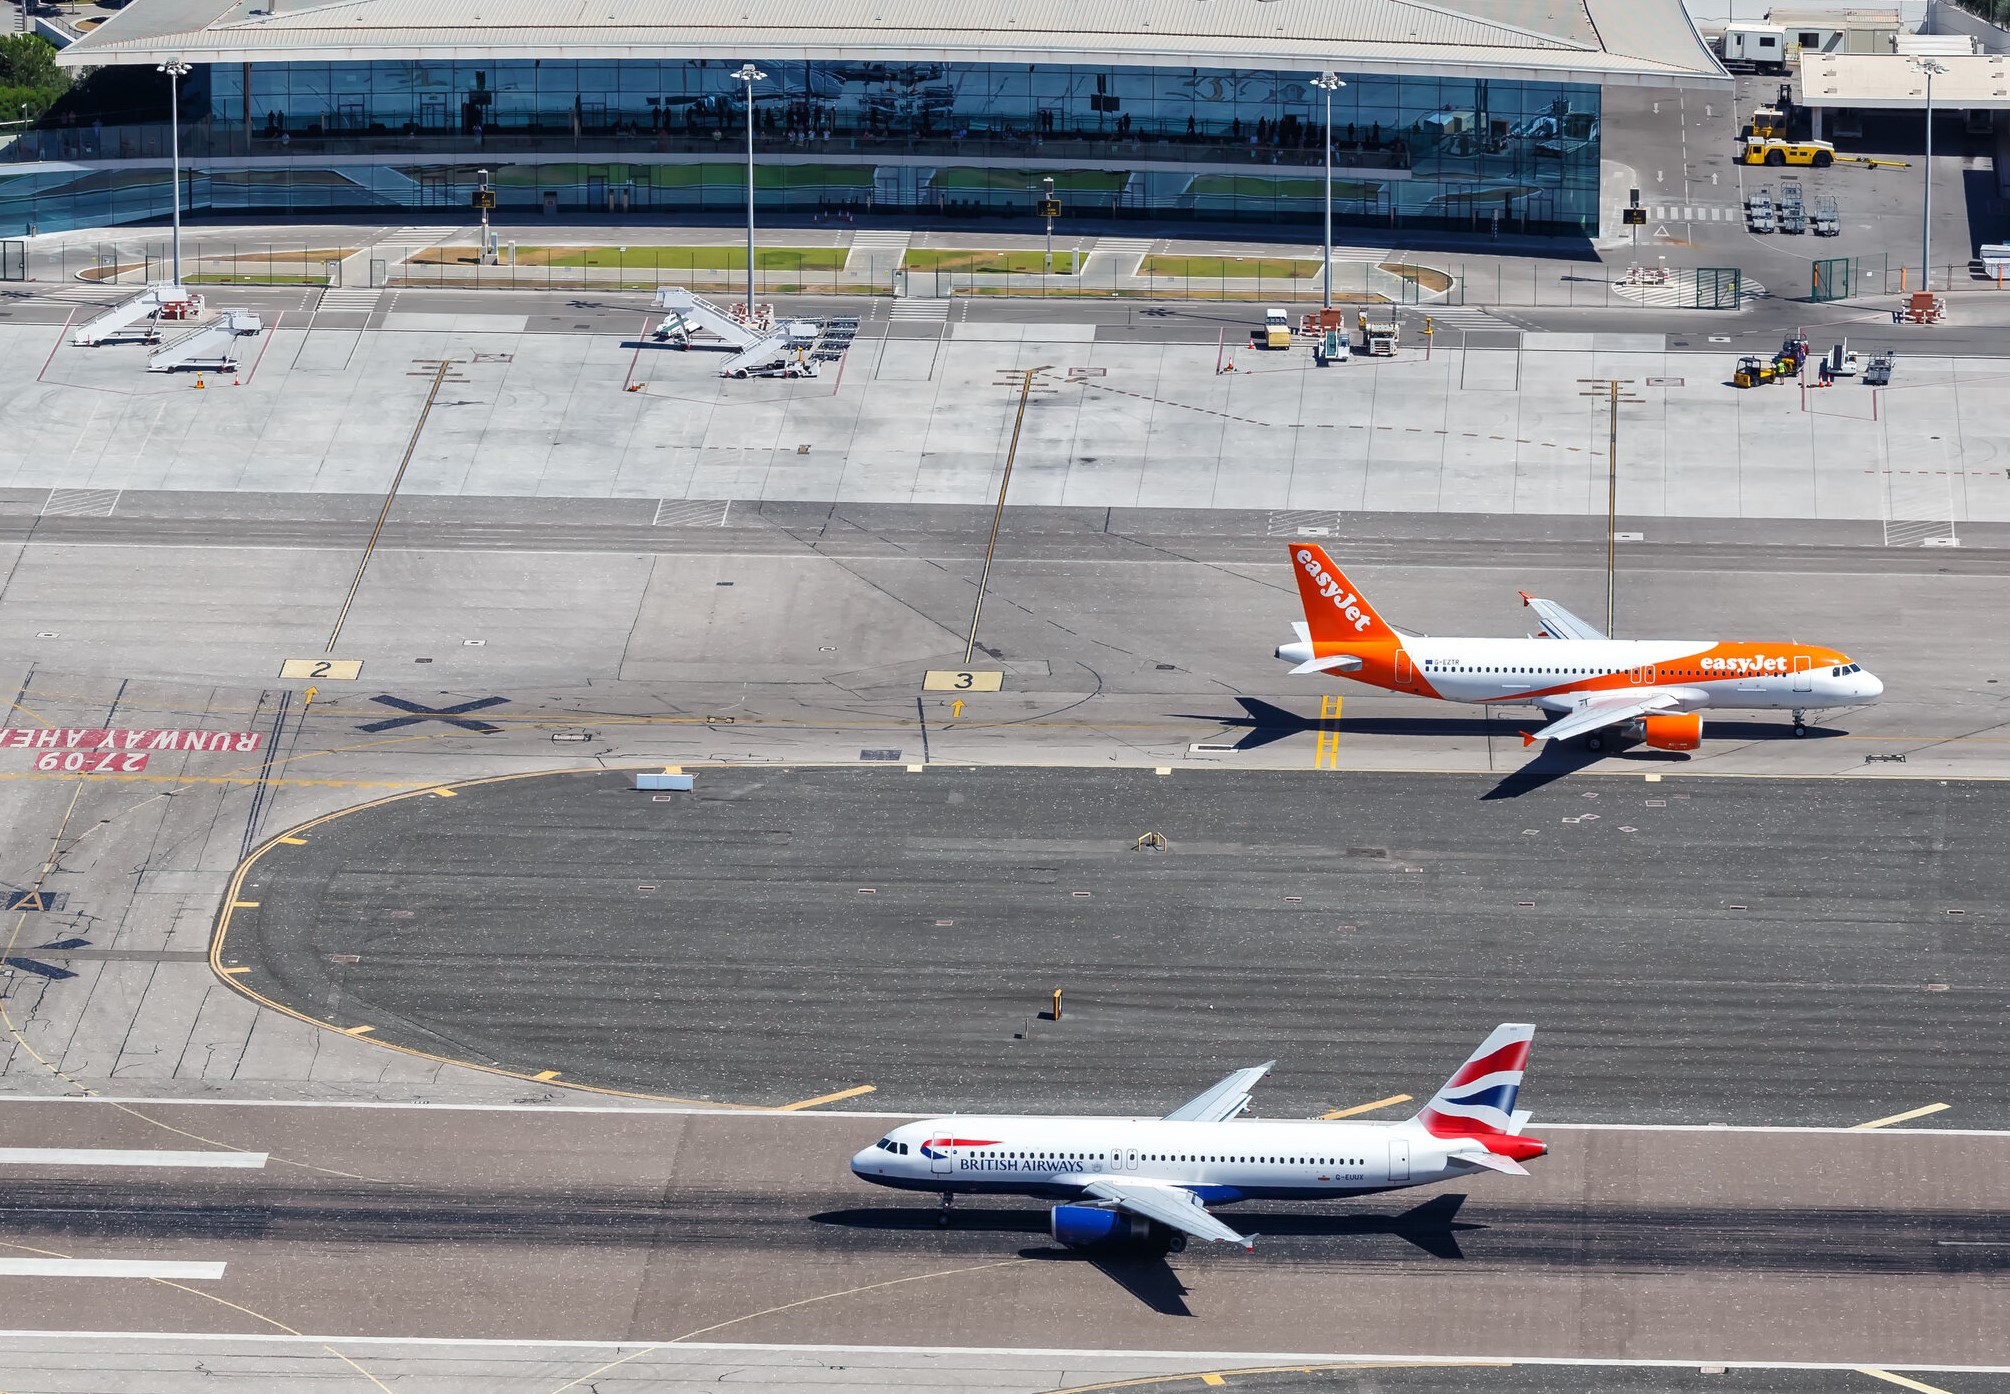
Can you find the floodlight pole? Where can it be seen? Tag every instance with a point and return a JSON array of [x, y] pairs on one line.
[[1929, 66], [1612, 390], [750, 75], [176, 70], [1329, 83]]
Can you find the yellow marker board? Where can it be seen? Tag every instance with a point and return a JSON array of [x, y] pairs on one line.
[[333, 669], [961, 680]]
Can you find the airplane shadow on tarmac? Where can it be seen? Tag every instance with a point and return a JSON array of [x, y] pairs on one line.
[[1433, 1226], [1265, 723]]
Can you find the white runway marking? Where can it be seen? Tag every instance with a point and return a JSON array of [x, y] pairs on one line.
[[1224, 1358], [107, 1268], [116, 1157]]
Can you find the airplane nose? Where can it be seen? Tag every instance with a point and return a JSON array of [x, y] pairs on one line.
[[1873, 687]]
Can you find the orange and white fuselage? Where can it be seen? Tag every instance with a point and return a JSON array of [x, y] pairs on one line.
[[1656, 687]]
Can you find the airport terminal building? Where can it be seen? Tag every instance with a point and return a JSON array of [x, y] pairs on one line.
[[1462, 114]]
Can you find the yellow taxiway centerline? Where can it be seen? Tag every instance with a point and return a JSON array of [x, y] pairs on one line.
[[1900, 1380], [1905, 1117], [1389, 1102], [851, 1093]]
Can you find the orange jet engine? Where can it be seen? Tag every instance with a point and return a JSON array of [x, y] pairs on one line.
[[1673, 731]]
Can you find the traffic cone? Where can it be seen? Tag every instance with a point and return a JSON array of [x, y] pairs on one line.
[[199, 384]]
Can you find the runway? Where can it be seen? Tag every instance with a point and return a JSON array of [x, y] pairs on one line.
[[526, 1225], [1744, 951]]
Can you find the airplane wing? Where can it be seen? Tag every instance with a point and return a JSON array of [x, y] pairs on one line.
[[1558, 621], [1599, 715], [1224, 1100], [1174, 1206]]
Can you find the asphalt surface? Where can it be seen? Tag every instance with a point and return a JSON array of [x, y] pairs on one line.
[[1731, 951], [659, 1226], [345, 522]]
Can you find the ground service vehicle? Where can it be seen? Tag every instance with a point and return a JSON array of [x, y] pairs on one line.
[[1753, 371], [1770, 150], [1379, 337], [1276, 329]]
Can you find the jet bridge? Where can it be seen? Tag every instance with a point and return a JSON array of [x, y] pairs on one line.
[[141, 316], [212, 347]]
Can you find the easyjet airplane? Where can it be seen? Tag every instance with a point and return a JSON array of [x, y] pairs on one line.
[[1150, 1180], [1654, 690]]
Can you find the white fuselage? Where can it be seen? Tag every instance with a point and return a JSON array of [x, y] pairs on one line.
[[1221, 1162], [1531, 670], [1559, 674]]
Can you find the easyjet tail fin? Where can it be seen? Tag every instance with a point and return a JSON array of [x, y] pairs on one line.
[[1334, 610]]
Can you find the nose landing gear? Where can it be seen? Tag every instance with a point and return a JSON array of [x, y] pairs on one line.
[[942, 1215], [1800, 721]]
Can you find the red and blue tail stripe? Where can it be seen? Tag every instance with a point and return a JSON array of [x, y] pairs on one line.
[[1478, 1100]]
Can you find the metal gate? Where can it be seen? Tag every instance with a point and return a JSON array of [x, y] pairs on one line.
[[13, 261], [1719, 287], [1832, 279]]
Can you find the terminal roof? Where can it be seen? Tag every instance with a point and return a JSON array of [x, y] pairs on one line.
[[1650, 42], [1980, 82]]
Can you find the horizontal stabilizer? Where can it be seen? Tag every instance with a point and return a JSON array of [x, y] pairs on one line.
[[1492, 1162], [1332, 663]]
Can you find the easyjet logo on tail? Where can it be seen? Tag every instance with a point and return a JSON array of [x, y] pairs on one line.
[[1344, 600]]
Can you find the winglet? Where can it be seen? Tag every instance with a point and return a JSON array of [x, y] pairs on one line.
[[1525, 598], [1527, 740]]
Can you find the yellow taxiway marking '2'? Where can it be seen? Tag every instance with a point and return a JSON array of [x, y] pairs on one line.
[[1905, 1117], [852, 1093], [1389, 1102]]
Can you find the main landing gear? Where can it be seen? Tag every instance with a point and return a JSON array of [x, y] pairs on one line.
[[942, 1215], [1594, 742]]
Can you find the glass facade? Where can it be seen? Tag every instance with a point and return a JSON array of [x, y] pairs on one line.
[[1156, 143]]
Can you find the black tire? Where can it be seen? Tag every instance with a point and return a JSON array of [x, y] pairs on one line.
[[1823, 159], [942, 1220], [1776, 157], [1799, 729], [1594, 742], [1176, 1244]]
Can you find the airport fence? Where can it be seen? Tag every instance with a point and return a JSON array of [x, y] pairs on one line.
[[1281, 277]]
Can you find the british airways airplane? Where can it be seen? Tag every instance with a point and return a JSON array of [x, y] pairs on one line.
[[1150, 1181], [1654, 690]]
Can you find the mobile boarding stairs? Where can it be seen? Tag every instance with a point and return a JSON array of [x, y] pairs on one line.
[[761, 346]]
